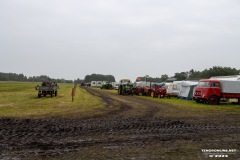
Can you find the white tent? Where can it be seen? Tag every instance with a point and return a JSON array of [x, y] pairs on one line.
[[187, 89], [169, 87], [176, 87]]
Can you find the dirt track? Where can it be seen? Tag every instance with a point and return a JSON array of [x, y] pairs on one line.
[[132, 128]]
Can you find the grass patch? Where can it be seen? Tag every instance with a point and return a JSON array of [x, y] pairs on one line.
[[192, 105], [19, 99]]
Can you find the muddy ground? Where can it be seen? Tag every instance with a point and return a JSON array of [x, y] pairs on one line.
[[131, 128]]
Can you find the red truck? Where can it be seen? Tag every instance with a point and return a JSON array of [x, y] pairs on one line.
[[212, 91]]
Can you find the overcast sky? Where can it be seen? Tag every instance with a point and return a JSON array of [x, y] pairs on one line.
[[126, 38]]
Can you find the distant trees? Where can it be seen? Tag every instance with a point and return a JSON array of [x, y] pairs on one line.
[[164, 77], [195, 75], [207, 73], [181, 76], [78, 81], [21, 77], [219, 71], [192, 74], [99, 77], [12, 77]]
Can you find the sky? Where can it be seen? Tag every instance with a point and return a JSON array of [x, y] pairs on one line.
[[125, 38]]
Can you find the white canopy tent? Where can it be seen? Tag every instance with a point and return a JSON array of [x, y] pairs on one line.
[[187, 90]]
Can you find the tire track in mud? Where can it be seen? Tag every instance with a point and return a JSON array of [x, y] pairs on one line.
[[109, 101], [125, 103], [21, 138]]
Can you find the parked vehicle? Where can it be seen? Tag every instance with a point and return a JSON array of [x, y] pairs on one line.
[[115, 85], [138, 87], [107, 86], [47, 88], [158, 90], [212, 91], [125, 87], [97, 83]]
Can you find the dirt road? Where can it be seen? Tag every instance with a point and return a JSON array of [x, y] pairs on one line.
[[131, 128]]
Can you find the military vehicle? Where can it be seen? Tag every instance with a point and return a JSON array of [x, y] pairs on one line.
[[47, 88]]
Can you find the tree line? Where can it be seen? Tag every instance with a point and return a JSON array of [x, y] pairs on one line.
[[99, 77], [194, 74], [23, 78], [188, 75]]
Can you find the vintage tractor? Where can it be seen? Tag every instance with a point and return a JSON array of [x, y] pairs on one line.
[[125, 87], [107, 86], [139, 87], [47, 88], [158, 90]]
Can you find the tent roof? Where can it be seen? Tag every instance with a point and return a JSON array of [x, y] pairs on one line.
[[189, 83]]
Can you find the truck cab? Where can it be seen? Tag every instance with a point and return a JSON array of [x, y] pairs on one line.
[[208, 90]]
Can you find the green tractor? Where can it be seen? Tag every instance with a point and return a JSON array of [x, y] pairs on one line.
[[107, 86], [125, 87]]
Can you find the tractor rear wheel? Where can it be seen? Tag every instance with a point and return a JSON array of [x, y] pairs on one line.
[[55, 93], [120, 90], [39, 95]]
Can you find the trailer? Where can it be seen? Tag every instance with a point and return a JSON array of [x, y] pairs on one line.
[[213, 90]]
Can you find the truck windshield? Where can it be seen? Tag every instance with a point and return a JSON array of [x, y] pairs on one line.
[[203, 84]]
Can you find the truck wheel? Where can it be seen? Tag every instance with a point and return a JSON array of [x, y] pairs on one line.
[[55, 93], [197, 100], [39, 95], [213, 100]]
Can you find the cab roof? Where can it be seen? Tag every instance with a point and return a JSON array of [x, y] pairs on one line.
[[208, 80]]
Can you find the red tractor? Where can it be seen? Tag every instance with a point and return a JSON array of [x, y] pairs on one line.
[[141, 88], [158, 90]]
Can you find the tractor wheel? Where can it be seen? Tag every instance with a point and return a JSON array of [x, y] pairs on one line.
[[39, 95], [159, 96], [213, 100], [120, 90], [51, 94], [152, 94], [55, 93]]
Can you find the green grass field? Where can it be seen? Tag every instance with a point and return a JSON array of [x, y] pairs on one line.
[[19, 99]]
